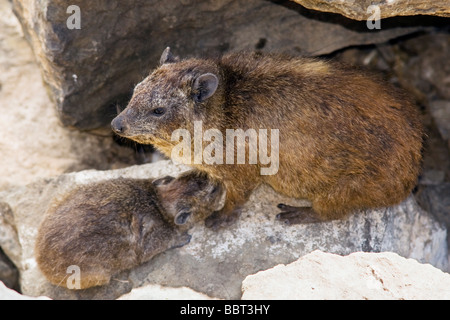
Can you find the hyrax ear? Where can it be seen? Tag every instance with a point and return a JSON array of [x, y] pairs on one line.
[[167, 57], [204, 86], [162, 181], [182, 217]]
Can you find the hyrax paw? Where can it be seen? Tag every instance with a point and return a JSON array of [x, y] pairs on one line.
[[218, 220], [296, 215]]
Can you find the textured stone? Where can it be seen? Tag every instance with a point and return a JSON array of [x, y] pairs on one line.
[[215, 263], [440, 111], [357, 9], [435, 199], [420, 65], [8, 272], [360, 275]]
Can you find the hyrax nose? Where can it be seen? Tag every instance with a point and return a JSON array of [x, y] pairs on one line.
[[119, 125]]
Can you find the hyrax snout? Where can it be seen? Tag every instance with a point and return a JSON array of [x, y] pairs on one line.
[[114, 225]]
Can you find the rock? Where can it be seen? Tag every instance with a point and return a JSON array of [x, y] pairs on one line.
[[34, 144], [215, 263], [440, 111], [435, 199], [9, 238], [157, 292], [360, 275], [419, 65], [432, 177], [8, 272], [9, 294], [91, 70], [357, 9]]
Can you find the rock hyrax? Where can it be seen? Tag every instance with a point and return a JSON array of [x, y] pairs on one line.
[[347, 140], [114, 225]]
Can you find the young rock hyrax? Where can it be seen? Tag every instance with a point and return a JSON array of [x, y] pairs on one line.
[[114, 225], [347, 140]]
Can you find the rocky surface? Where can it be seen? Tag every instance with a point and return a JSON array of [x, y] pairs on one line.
[[366, 276], [440, 111], [436, 200], [215, 263], [8, 272], [418, 63], [92, 69], [357, 9]]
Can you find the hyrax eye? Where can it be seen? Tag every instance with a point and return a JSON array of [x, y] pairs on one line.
[[182, 217], [159, 111]]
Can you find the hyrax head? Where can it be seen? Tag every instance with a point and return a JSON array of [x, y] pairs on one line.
[[170, 98], [189, 198]]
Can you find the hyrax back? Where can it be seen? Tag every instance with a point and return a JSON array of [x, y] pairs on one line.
[[117, 224], [347, 141]]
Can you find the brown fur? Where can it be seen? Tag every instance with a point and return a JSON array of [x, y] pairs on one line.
[[118, 224], [348, 141]]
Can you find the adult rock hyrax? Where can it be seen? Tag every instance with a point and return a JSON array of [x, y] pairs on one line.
[[347, 140], [114, 225]]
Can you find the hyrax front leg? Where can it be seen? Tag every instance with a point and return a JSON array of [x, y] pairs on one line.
[[224, 217], [236, 195], [324, 208]]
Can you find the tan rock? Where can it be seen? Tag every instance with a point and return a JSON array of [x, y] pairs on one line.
[[358, 9]]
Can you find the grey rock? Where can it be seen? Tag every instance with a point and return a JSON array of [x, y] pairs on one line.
[[215, 263], [421, 65], [440, 111], [9, 274], [435, 199], [92, 69]]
